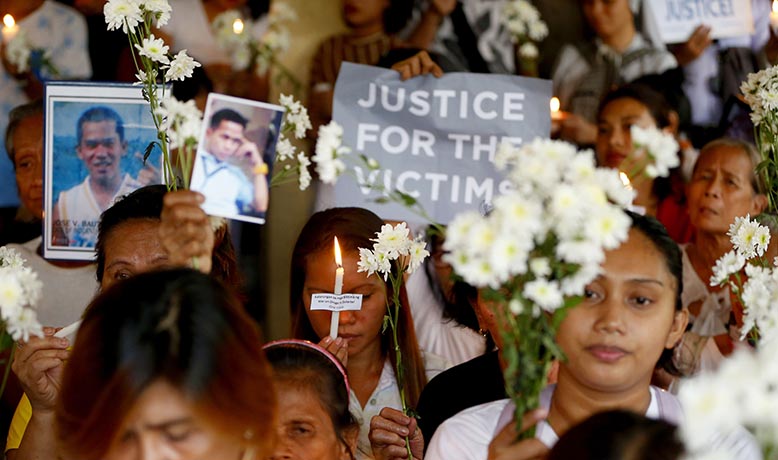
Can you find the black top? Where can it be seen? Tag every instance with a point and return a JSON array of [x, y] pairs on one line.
[[469, 384]]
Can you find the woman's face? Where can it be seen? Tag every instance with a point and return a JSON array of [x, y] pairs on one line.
[[720, 190], [360, 13], [164, 425], [607, 17], [361, 329], [132, 247], [614, 138], [614, 338], [304, 428]]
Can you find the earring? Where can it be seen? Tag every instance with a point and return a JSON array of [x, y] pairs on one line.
[[484, 332]]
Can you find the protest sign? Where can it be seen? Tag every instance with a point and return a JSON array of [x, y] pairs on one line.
[[677, 19], [434, 138]]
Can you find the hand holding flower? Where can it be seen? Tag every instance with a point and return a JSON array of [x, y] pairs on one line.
[[186, 231], [38, 363], [388, 431]]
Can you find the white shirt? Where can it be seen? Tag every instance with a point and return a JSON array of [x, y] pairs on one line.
[[386, 394], [79, 212], [467, 435], [436, 334], [228, 191]]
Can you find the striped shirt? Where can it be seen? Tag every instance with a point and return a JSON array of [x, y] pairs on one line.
[[334, 50]]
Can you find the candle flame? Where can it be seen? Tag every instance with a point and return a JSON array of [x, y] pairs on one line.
[[625, 180], [8, 20], [237, 26], [554, 103], [338, 259], [775, 6]]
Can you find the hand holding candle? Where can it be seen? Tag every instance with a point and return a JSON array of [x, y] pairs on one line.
[[337, 290]]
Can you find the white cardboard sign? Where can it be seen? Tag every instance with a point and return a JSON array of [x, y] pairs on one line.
[[335, 302], [676, 19]]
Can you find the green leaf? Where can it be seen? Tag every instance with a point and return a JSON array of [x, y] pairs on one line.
[[386, 324], [149, 149]]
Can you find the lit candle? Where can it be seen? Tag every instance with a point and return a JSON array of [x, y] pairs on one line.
[[774, 16], [9, 28], [556, 114], [625, 180], [237, 27], [338, 289]]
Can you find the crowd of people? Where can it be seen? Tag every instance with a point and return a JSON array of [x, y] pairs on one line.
[[167, 362]]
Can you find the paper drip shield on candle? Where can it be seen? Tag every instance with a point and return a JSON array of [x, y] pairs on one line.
[[336, 302]]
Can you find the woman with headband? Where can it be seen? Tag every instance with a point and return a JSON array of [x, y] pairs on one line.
[[313, 422]]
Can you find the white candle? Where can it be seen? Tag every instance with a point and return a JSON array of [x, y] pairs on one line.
[[774, 16], [10, 28], [338, 289], [68, 330]]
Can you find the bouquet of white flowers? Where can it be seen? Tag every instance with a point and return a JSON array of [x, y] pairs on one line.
[[761, 94], [527, 28], [393, 245], [758, 294], [537, 249], [740, 394], [21, 53], [20, 291], [236, 35], [153, 62]]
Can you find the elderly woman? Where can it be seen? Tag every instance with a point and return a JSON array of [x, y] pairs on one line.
[[166, 365], [148, 229], [723, 186]]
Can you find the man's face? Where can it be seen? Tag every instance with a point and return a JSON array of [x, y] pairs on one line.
[[225, 139], [28, 162], [101, 150]]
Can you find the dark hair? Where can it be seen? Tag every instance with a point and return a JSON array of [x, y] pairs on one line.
[[308, 367], [757, 181], [97, 114], [176, 326], [227, 115], [15, 117], [662, 112], [657, 234], [189, 88], [146, 203], [619, 435], [396, 15], [354, 228]]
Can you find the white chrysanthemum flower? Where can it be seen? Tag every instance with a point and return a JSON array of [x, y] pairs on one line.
[[749, 238], [540, 267], [181, 67], [508, 256], [303, 174], [154, 49], [544, 293], [24, 324], [607, 227], [124, 14], [393, 241], [661, 148], [728, 264], [161, 10], [10, 258], [11, 294], [328, 148], [284, 149], [417, 252], [18, 51], [296, 116], [574, 285], [528, 51]]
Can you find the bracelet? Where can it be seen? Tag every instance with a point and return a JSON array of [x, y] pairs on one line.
[[260, 169]]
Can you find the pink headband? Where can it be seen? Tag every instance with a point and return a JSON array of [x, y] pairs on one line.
[[313, 346]]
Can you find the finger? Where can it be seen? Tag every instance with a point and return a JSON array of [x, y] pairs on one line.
[[386, 438], [389, 426], [393, 451], [415, 64], [40, 343], [45, 363], [183, 197], [395, 416], [427, 64]]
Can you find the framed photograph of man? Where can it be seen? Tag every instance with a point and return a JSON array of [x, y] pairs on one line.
[[95, 137], [234, 161]]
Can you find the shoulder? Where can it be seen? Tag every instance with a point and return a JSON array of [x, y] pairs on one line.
[[434, 364], [467, 435]]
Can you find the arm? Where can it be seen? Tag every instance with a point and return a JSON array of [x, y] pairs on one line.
[[505, 447], [691, 49], [425, 32], [39, 364]]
